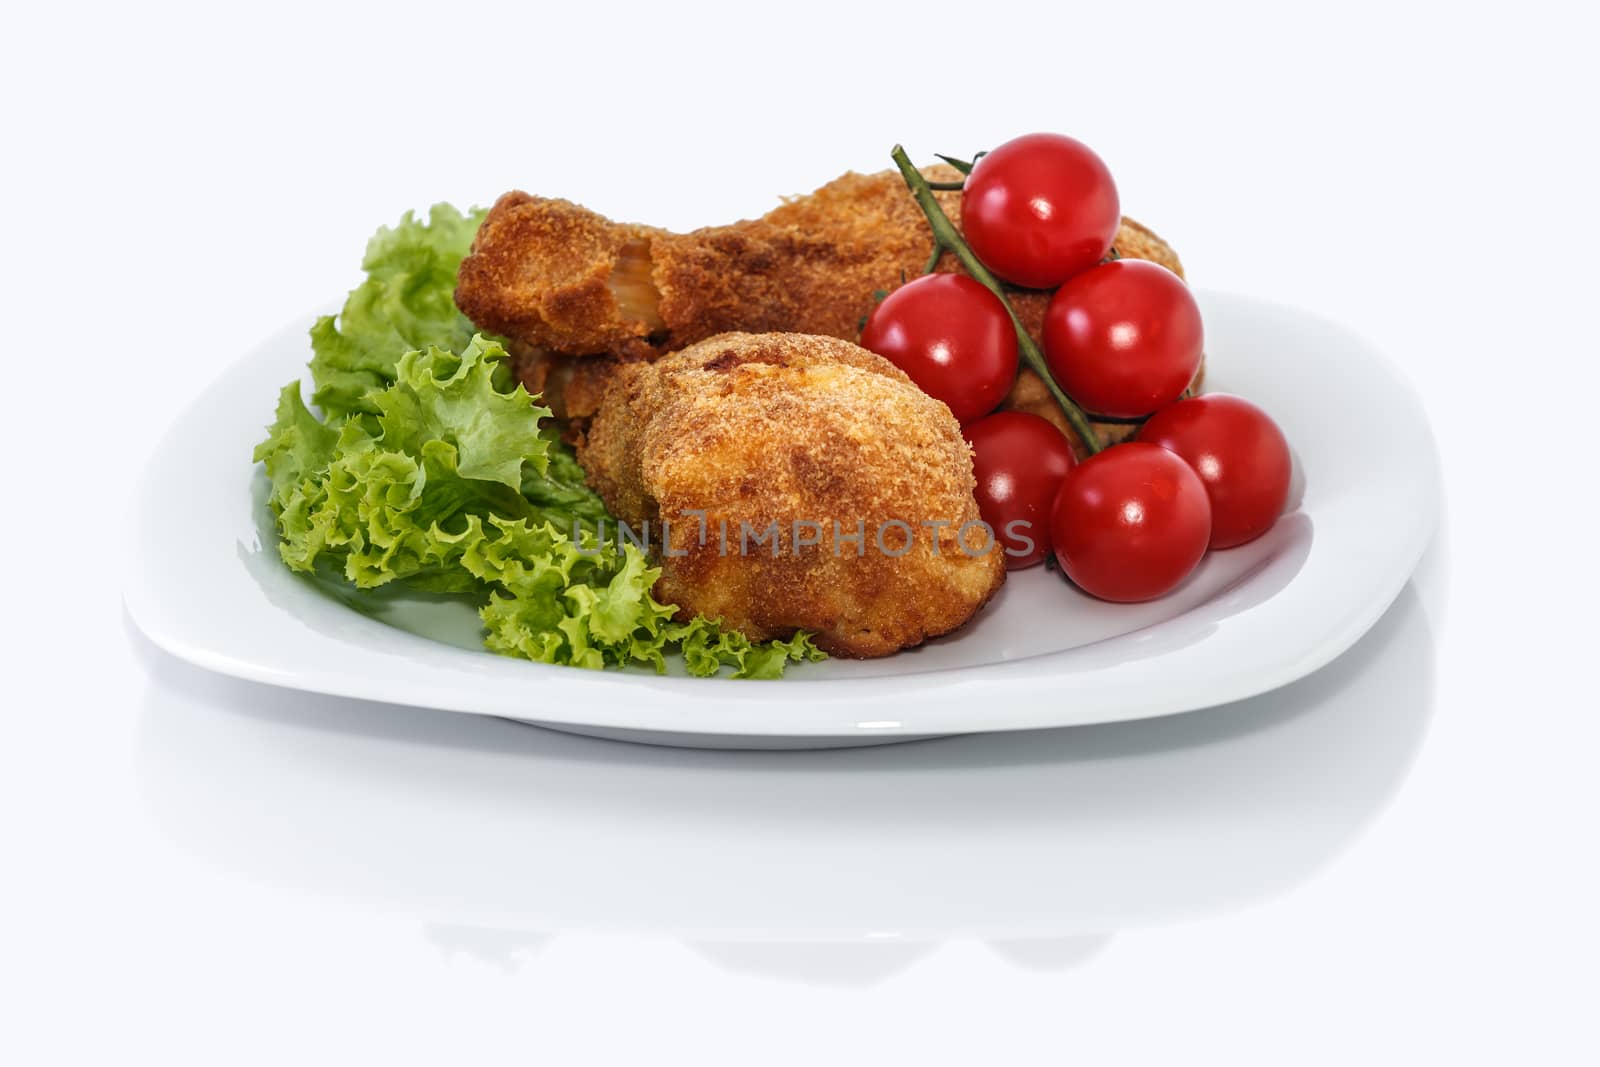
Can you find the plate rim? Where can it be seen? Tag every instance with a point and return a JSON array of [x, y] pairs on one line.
[[1009, 699]]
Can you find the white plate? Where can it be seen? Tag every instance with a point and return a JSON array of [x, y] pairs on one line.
[[206, 584]]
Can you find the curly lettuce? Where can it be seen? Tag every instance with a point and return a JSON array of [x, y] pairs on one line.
[[589, 605], [407, 302], [445, 480]]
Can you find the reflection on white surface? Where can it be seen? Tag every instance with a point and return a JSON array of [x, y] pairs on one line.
[[1052, 953], [837, 963], [507, 950], [841, 867]]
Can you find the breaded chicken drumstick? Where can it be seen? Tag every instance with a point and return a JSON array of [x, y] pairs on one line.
[[559, 279], [808, 484]]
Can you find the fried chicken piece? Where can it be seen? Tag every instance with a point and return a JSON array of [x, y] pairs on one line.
[[558, 277], [562, 281], [802, 441]]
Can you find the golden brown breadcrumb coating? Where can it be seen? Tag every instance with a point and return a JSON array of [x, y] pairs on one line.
[[751, 430], [556, 276], [561, 281]]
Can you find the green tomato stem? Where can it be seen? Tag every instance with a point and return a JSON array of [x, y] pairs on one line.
[[947, 238]]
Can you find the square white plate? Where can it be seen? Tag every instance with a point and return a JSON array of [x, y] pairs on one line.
[[205, 583]]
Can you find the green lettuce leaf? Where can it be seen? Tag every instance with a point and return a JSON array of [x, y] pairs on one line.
[[590, 606], [298, 445], [446, 443], [447, 481], [706, 648], [407, 302], [562, 487]]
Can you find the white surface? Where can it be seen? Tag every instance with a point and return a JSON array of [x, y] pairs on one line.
[[204, 583], [204, 872]]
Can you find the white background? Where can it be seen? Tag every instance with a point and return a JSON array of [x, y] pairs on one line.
[[1391, 863]]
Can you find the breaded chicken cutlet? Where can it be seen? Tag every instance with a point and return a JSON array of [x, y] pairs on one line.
[[560, 280], [807, 484]]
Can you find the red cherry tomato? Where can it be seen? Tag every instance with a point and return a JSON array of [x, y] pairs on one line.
[[1124, 338], [1240, 455], [1039, 209], [952, 337], [1130, 523], [1019, 460]]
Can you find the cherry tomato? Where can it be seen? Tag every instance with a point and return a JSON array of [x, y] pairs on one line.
[[1240, 455], [952, 337], [1019, 460], [1039, 209], [1130, 523], [1124, 338]]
